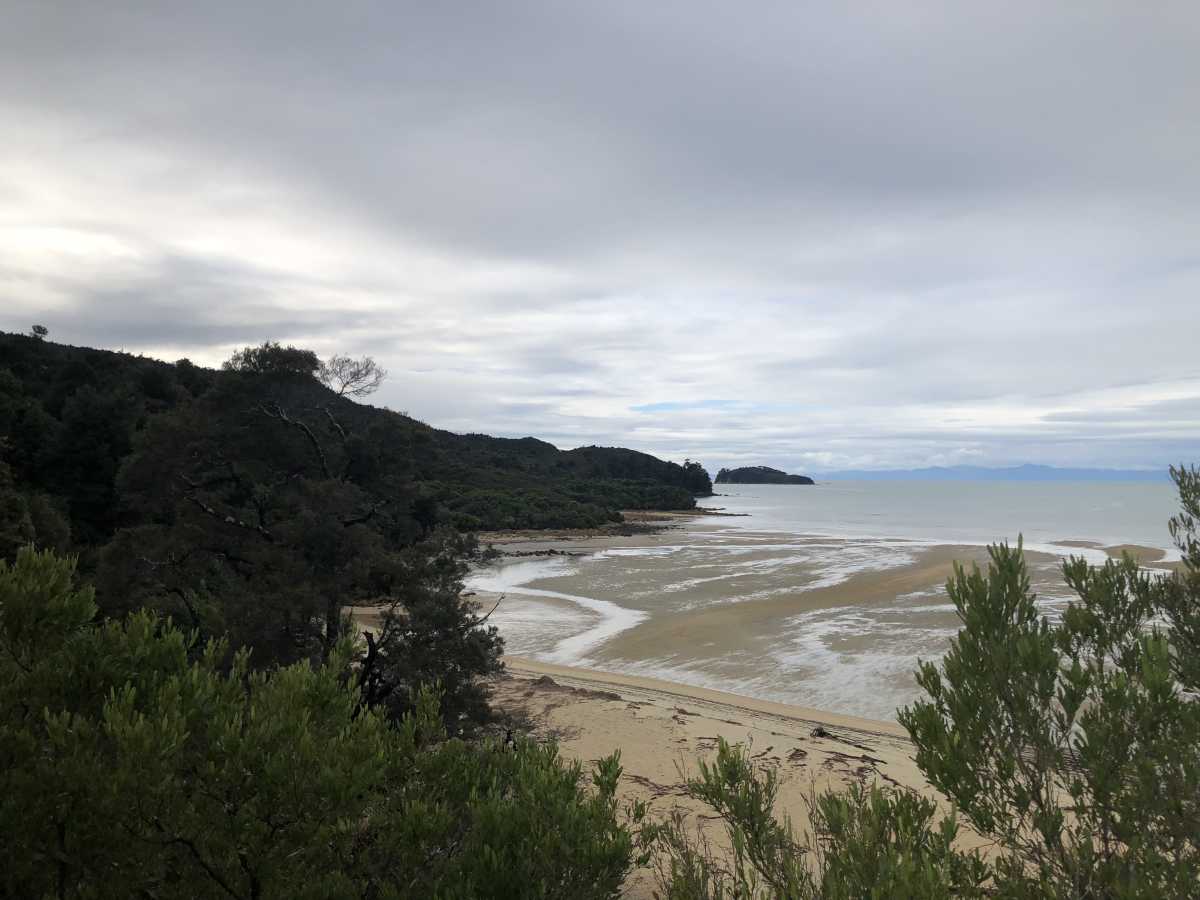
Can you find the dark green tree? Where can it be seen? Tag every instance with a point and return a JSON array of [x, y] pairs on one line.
[[430, 632], [136, 761], [96, 434], [270, 358], [266, 509]]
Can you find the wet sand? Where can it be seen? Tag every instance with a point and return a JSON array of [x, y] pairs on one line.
[[833, 623]]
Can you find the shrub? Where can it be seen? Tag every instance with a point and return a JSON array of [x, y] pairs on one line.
[[136, 762]]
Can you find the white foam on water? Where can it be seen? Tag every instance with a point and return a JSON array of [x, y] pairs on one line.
[[530, 626], [870, 680], [660, 551], [607, 619]]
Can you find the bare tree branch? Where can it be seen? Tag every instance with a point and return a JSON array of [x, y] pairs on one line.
[[337, 426], [227, 519], [352, 377], [275, 411], [489, 615], [365, 517]]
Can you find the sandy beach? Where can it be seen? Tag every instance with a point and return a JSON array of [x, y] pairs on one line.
[[662, 729]]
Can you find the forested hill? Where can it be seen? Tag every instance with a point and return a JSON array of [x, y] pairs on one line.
[[759, 475], [73, 421]]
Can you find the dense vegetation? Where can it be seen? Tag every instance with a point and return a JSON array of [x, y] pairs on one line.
[[759, 475], [138, 761], [70, 417], [1071, 746], [257, 502]]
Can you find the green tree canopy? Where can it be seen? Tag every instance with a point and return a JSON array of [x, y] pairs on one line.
[[136, 761], [271, 358]]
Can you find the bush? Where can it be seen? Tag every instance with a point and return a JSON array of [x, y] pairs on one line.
[[865, 843], [135, 762]]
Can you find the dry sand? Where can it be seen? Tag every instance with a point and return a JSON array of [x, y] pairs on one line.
[[662, 729]]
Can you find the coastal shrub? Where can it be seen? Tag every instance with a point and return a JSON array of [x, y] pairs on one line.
[[866, 842], [136, 761], [1075, 745], [1071, 745]]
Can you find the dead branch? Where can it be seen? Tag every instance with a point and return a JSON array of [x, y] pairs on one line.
[[275, 411]]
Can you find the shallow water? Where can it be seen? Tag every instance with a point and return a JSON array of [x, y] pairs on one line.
[[822, 598]]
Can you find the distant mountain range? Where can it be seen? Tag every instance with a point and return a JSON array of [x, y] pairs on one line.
[[1027, 472]]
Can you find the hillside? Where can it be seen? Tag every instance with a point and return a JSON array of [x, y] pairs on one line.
[[70, 417], [759, 475]]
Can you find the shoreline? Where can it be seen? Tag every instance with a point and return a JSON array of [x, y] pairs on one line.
[[595, 679], [796, 619]]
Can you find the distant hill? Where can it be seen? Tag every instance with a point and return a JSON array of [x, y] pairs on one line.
[[70, 417], [759, 475], [1027, 472]]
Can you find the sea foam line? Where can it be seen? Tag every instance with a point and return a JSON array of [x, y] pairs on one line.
[[513, 579]]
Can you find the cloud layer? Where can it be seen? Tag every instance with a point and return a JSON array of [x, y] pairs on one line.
[[870, 236]]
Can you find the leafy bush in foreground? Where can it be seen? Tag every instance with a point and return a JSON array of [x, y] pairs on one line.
[[1073, 746], [136, 763], [865, 843]]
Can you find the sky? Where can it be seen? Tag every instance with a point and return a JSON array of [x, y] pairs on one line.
[[813, 236]]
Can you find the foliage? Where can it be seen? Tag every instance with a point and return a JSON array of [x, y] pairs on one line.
[[1075, 744], [269, 358], [430, 632], [264, 518], [865, 843], [257, 504], [474, 481], [136, 761]]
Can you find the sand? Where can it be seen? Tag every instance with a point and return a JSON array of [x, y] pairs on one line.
[[1144, 556], [662, 729]]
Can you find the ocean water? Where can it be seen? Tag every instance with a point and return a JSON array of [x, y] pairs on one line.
[[811, 595], [978, 512]]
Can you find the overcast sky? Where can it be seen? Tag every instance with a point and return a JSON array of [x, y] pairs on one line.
[[811, 236]]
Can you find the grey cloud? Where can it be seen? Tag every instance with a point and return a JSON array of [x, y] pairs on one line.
[[899, 234]]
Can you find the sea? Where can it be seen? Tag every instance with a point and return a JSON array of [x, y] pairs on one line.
[[824, 596]]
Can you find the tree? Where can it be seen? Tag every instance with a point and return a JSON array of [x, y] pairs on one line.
[[136, 761], [1073, 746], [264, 511], [696, 478], [430, 632], [865, 843], [39, 332], [254, 522], [96, 433], [269, 358], [351, 377]]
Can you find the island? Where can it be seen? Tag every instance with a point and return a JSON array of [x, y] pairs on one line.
[[759, 475]]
